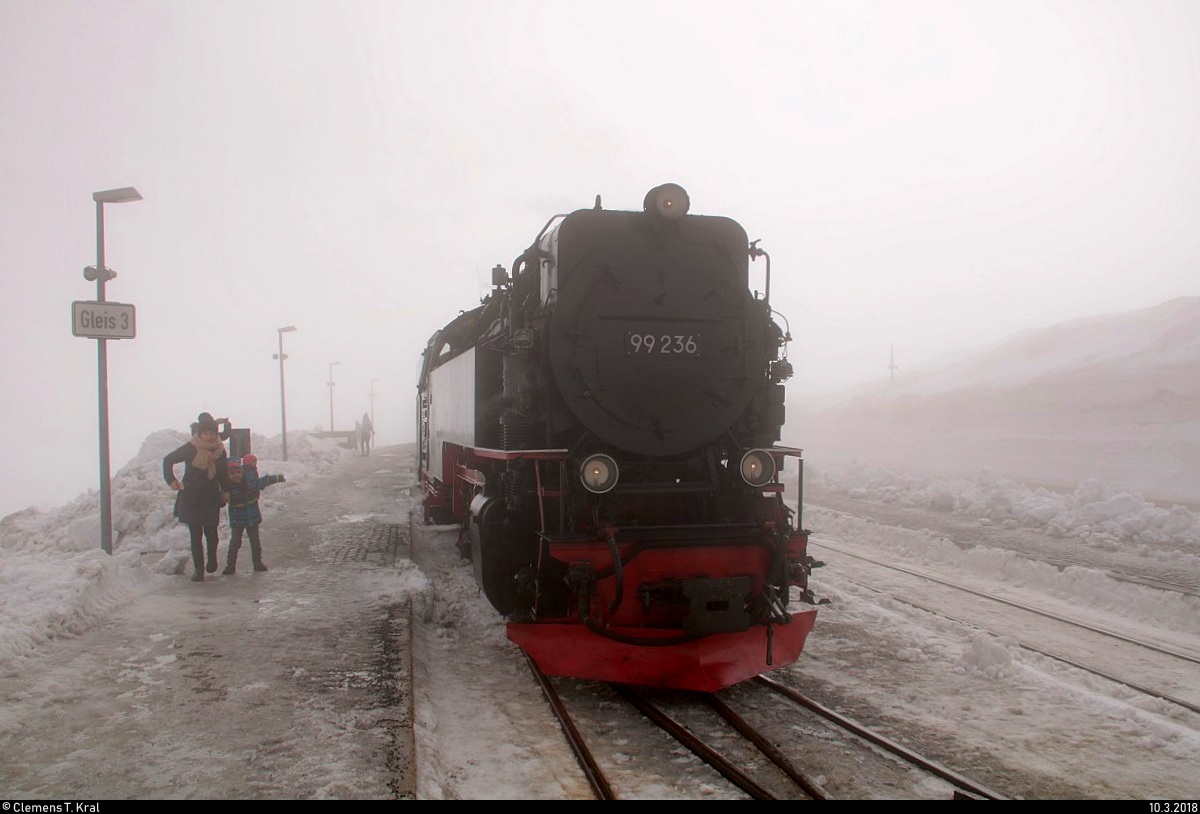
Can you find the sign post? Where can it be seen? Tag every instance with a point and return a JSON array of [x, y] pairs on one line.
[[101, 320]]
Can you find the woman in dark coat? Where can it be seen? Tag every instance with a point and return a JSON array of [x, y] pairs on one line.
[[203, 490]]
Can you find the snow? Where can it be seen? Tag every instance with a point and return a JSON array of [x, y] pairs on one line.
[[57, 579], [1115, 398], [59, 585], [1094, 511], [1166, 334], [946, 667]]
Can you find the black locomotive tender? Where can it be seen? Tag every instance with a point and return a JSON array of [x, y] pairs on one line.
[[604, 428]]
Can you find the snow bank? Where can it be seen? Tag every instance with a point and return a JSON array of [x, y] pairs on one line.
[[59, 582], [1094, 512]]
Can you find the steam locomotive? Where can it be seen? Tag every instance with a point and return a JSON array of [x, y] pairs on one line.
[[604, 429]]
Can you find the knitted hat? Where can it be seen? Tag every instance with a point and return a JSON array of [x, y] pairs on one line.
[[250, 461], [235, 465], [206, 424]]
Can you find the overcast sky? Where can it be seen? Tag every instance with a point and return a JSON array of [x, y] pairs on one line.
[[926, 175]]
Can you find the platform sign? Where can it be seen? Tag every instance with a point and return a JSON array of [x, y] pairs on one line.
[[103, 320]]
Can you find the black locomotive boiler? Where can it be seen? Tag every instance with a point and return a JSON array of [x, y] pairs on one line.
[[604, 428]]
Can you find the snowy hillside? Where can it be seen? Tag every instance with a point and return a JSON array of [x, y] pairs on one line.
[[1114, 397]]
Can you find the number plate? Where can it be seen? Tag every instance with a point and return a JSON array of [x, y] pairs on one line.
[[657, 344]]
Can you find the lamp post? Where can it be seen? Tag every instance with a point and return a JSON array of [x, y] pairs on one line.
[[331, 365], [103, 275], [282, 398]]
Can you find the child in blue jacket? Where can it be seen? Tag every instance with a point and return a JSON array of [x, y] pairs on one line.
[[244, 515]]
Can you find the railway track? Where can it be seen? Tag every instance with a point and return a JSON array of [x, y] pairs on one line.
[[1123, 681], [1126, 680], [775, 775], [965, 786], [1038, 611], [1122, 564], [973, 722]]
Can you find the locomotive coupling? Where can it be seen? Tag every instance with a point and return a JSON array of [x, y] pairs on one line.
[[581, 578]]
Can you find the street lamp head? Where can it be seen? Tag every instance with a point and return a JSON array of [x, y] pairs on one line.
[[122, 195], [287, 329]]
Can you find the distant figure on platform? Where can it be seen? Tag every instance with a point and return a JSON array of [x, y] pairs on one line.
[[244, 515], [366, 433], [203, 490]]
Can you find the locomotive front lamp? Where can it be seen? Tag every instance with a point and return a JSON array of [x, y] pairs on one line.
[[669, 201], [599, 473], [757, 467]]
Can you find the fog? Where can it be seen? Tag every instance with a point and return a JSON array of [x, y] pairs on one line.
[[928, 177], [1114, 398]]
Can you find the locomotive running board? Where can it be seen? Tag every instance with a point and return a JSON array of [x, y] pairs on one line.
[[706, 664]]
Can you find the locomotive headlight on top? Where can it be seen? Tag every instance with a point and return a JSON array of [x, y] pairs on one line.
[[669, 201], [757, 467], [599, 473]]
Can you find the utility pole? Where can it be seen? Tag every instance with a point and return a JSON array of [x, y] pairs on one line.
[[331, 367], [282, 400], [892, 363]]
